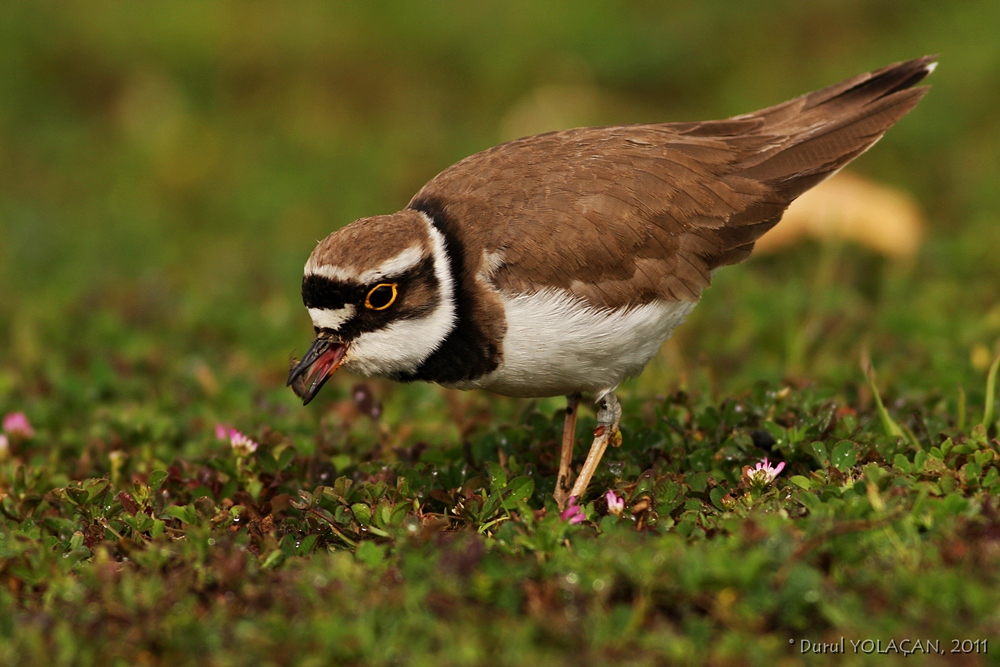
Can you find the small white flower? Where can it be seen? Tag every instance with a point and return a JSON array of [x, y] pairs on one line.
[[241, 444], [763, 473], [616, 505]]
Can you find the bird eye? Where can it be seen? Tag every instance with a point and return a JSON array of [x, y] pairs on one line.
[[381, 296]]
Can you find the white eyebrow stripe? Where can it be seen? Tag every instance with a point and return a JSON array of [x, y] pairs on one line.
[[395, 266], [399, 264], [334, 273], [326, 318]]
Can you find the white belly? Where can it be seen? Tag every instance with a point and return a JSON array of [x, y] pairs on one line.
[[558, 345]]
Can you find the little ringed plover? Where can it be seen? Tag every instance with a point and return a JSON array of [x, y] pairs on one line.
[[558, 264]]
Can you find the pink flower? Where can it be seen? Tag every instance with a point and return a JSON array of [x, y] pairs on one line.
[[764, 473], [17, 425], [573, 512], [616, 505], [240, 443]]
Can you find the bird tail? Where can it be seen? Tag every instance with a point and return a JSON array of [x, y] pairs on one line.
[[820, 132]]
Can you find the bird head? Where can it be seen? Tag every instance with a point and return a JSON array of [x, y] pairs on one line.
[[380, 295]]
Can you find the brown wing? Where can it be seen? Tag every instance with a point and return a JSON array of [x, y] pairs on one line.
[[628, 214]]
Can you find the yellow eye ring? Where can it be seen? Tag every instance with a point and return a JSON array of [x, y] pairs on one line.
[[379, 298]]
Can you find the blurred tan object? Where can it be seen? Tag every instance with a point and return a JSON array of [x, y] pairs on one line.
[[551, 107], [852, 208]]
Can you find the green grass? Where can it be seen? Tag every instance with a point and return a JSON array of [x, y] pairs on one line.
[[166, 168], [120, 542]]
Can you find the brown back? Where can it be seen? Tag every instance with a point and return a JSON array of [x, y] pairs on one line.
[[629, 214]]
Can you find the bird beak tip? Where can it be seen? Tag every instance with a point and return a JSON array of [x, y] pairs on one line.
[[307, 377]]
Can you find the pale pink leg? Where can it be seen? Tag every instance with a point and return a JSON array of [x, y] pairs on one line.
[[608, 417], [566, 457]]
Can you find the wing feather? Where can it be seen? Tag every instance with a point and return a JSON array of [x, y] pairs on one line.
[[629, 214]]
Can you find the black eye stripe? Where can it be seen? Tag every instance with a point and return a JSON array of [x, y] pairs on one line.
[[322, 292]]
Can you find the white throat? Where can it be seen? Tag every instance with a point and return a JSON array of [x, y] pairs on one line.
[[404, 345]]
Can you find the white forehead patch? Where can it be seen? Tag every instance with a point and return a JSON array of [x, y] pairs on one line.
[[327, 318], [395, 266]]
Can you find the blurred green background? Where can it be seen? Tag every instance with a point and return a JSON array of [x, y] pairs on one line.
[[166, 167]]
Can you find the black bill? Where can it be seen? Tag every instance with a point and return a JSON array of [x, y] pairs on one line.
[[322, 359]]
